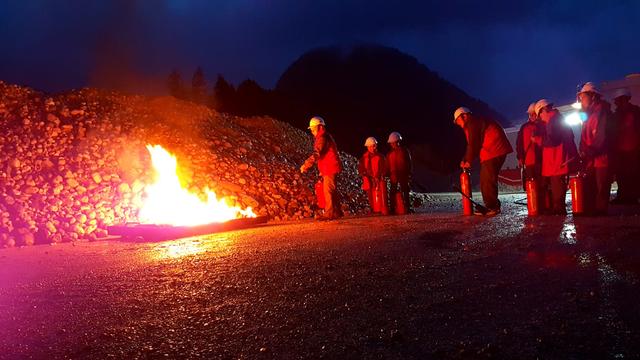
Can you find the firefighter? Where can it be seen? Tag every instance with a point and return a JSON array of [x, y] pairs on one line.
[[595, 149], [372, 169], [558, 153], [485, 139], [399, 168], [626, 148], [325, 153], [529, 153]]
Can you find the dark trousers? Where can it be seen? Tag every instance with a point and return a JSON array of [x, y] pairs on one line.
[[627, 163], [332, 207], [554, 188], [404, 189], [597, 189], [489, 171]]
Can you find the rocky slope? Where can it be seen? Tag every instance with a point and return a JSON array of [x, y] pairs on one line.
[[72, 164]]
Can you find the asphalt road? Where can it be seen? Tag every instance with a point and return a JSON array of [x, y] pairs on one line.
[[429, 285]]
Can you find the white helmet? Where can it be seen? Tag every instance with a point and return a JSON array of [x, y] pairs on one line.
[[589, 87], [542, 103], [532, 108], [622, 92], [394, 137], [315, 121], [459, 111], [371, 141]]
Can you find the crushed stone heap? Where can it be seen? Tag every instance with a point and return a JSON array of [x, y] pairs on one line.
[[73, 164]]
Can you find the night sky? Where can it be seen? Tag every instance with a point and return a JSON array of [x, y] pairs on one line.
[[507, 53]]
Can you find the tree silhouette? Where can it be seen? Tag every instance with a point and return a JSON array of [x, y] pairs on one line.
[[175, 85], [199, 87], [254, 99], [224, 96]]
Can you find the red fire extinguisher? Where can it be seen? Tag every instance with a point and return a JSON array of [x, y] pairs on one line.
[[576, 183], [465, 187], [532, 197], [319, 190], [380, 195]]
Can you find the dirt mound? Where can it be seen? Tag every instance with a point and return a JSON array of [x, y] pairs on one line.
[[75, 163]]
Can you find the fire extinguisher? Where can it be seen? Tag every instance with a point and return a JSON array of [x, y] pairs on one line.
[[319, 190], [532, 197], [465, 187], [576, 183]]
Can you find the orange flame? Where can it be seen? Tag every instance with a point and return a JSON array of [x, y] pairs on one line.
[[166, 202]]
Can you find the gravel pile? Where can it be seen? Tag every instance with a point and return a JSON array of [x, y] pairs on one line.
[[75, 163]]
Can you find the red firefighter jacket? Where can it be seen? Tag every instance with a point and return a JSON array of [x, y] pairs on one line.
[[325, 152], [528, 151], [485, 138], [596, 133], [558, 148], [399, 164], [627, 128], [372, 165]]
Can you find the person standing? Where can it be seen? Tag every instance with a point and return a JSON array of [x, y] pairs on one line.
[[626, 148], [399, 168], [371, 168], [529, 153], [558, 153], [595, 148], [485, 140], [325, 153]]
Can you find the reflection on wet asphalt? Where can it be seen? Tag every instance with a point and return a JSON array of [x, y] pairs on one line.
[[433, 284]]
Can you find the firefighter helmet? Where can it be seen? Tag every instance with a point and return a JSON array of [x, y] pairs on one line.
[[622, 92], [394, 137], [459, 111], [315, 121], [589, 87], [542, 103], [532, 108], [371, 141]]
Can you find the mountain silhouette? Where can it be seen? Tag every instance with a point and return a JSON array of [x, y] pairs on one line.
[[372, 90]]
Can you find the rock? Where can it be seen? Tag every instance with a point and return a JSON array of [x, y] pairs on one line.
[[24, 237], [72, 183], [103, 175], [9, 242], [124, 188], [53, 118]]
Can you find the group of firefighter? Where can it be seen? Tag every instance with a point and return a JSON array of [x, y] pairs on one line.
[[609, 149], [373, 167], [547, 154]]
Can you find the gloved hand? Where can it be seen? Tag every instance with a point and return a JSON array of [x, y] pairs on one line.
[[303, 169], [465, 164]]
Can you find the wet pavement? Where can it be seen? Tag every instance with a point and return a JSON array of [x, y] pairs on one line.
[[428, 285]]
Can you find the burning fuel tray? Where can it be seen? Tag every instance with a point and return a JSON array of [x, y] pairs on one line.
[[151, 232]]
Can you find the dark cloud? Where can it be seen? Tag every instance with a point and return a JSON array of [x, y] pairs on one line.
[[507, 53]]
